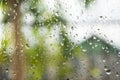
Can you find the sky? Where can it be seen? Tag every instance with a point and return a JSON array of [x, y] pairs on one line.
[[102, 14]]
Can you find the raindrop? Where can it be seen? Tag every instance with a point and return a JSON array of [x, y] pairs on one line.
[[84, 50], [8, 14], [93, 47], [98, 29], [94, 38], [77, 17], [101, 16], [111, 41], [90, 43], [72, 28], [14, 74], [104, 61], [4, 12], [27, 46], [105, 68], [64, 63], [10, 60], [14, 11], [6, 70], [98, 40], [84, 37], [62, 44], [117, 62], [37, 55], [103, 48], [118, 54], [108, 71], [67, 79], [15, 5], [108, 51], [64, 26], [14, 17], [117, 74], [96, 45], [21, 50]]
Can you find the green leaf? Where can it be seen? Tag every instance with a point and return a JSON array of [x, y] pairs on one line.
[[88, 2]]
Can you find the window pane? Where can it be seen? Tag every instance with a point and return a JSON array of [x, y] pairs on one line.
[[59, 40]]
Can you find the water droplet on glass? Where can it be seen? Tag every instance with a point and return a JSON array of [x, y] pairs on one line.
[[84, 50], [67, 79], [90, 43], [62, 44], [8, 14], [15, 5], [96, 45], [105, 68], [118, 54], [94, 38], [6, 70], [104, 61], [84, 37], [101, 16], [64, 63], [21, 50], [117, 62], [103, 48], [27, 46], [108, 71], [117, 74]]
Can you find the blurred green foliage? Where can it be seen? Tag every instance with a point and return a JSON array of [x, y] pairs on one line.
[[95, 45], [88, 2], [39, 58], [3, 53]]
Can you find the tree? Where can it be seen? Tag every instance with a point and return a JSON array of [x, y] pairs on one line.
[[17, 59]]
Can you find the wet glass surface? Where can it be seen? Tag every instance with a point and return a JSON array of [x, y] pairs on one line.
[[59, 40]]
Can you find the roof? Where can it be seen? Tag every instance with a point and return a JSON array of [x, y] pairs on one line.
[[96, 45]]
